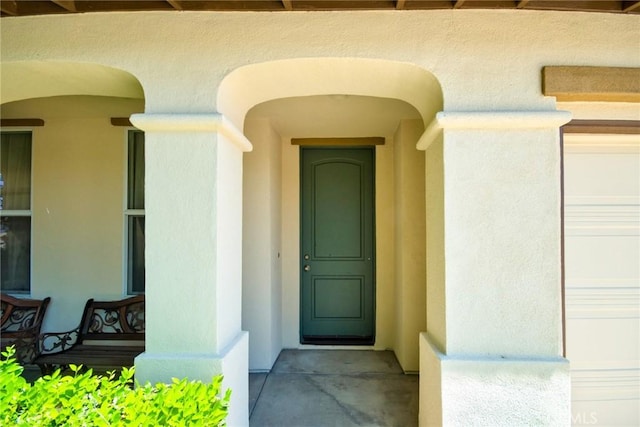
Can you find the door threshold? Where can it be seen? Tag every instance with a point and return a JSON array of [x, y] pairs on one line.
[[350, 341]]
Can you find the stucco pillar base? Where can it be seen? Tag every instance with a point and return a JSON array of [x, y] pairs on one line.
[[233, 363], [495, 391]]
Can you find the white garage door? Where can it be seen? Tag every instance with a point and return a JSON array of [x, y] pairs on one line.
[[602, 261]]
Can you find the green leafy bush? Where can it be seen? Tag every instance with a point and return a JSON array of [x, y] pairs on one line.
[[84, 399]]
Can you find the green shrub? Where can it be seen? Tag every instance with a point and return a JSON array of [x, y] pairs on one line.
[[84, 399]]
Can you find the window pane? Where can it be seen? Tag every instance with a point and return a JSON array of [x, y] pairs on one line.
[[15, 255], [15, 166], [135, 171], [135, 279]]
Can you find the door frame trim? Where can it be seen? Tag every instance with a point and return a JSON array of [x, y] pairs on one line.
[[339, 143]]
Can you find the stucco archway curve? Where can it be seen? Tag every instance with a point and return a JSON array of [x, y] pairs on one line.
[[270, 184], [254, 84], [38, 79]]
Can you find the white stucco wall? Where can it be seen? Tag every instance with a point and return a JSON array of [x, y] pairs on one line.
[[494, 266], [261, 251], [434, 202], [498, 251], [385, 249], [193, 183], [410, 244], [488, 391], [473, 53]]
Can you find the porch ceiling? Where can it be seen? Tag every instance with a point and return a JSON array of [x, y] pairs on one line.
[[34, 7], [331, 116]]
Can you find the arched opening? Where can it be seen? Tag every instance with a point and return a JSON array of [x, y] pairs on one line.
[[79, 234], [251, 85], [279, 102], [41, 79]]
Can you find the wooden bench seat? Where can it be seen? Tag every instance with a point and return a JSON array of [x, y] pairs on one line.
[[110, 335], [20, 323], [91, 356]]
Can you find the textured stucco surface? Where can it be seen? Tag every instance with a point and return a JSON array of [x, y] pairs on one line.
[[492, 353], [261, 248], [410, 245], [473, 54], [435, 234], [476, 390], [494, 185], [231, 361], [502, 228], [199, 267]]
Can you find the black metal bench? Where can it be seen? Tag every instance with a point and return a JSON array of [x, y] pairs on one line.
[[110, 335], [21, 321]]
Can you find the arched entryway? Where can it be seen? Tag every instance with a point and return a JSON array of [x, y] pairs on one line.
[[280, 102]]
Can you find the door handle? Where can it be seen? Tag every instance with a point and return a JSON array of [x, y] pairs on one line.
[[307, 268]]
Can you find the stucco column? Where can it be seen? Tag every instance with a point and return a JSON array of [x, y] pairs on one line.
[[193, 210], [492, 352]]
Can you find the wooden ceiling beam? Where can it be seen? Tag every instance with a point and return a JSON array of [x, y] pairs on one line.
[[576, 5], [628, 6], [428, 5], [458, 4], [68, 5], [10, 7], [176, 4], [227, 5], [120, 5], [345, 4], [483, 4], [40, 7], [28, 7]]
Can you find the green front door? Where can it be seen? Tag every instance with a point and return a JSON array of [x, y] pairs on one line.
[[337, 265]]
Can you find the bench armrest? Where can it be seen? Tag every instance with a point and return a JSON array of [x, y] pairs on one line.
[[56, 342], [32, 332]]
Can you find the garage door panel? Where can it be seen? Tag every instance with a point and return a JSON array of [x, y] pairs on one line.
[[589, 337], [602, 277], [606, 412], [610, 175], [602, 261]]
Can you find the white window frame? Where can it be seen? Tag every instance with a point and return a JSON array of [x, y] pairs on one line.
[[126, 214], [24, 212]]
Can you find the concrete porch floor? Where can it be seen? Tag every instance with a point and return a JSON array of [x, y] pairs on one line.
[[314, 388]]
